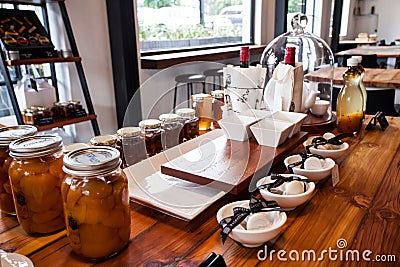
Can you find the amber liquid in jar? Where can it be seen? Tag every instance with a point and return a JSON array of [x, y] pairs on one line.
[[8, 135], [151, 132], [217, 104], [96, 203], [202, 104], [36, 185], [6, 197]]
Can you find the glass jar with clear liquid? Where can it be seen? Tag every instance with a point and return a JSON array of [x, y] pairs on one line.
[[350, 100]]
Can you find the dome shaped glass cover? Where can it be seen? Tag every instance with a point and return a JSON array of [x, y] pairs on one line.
[[311, 51]]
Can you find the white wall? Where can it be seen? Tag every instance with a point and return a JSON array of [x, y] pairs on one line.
[[90, 27]]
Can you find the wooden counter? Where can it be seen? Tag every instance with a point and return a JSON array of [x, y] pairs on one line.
[[379, 51], [379, 78], [363, 209]]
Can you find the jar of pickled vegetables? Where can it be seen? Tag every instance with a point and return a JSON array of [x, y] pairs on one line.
[[190, 123], [173, 134], [36, 176], [132, 145], [96, 202], [7, 135], [151, 132]]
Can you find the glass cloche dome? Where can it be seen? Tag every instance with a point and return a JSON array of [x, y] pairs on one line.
[[312, 52]]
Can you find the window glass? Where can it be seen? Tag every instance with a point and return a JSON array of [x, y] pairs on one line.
[[176, 24]]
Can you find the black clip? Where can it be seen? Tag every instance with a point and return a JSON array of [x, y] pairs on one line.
[[213, 260], [381, 119]]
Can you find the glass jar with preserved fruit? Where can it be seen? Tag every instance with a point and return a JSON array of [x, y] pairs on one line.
[[151, 132], [132, 145], [173, 134], [7, 135], [96, 202], [190, 123], [36, 176], [202, 104], [217, 103]]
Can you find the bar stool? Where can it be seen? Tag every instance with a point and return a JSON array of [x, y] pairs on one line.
[[188, 79], [215, 73]]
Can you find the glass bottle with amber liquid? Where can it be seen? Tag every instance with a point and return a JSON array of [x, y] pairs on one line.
[[362, 85], [350, 100]]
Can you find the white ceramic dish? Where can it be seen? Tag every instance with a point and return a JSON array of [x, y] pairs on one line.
[[252, 238], [236, 127], [173, 196], [286, 201], [269, 132], [333, 154], [14, 259], [312, 175], [292, 117], [320, 107]]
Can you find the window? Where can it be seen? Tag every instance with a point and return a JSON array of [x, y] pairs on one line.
[[176, 24]]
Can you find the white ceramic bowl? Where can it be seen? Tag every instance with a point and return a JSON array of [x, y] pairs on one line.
[[292, 117], [286, 201], [333, 154], [320, 107], [269, 132], [251, 238], [257, 113], [312, 175], [236, 127]]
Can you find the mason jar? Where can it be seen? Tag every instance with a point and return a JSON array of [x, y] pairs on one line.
[[96, 202], [173, 134], [36, 176], [132, 145], [151, 132], [74, 146], [190, 123], [202, 104], [7, 135]]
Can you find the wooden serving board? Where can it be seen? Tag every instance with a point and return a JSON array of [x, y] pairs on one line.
[[229, 165]]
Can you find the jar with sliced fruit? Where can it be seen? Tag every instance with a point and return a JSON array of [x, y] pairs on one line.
[[7, 135], [96, 202], [36, 176]]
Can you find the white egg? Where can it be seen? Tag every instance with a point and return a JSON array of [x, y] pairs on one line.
[[328, 135], [258, 221], [312, 163], [294, 188]]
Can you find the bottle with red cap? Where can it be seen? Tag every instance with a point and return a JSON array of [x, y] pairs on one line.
[[244, 56]]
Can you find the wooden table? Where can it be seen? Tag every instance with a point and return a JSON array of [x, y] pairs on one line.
[[379, 78], [380, 51], [363, 209]]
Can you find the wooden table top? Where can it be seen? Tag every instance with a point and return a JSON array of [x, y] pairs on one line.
[[379, 78], [380, 51], [362, 211]]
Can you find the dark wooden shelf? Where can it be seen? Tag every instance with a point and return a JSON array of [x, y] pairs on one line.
[[63, 122], [42, 61], [163, 61], [29, 2]]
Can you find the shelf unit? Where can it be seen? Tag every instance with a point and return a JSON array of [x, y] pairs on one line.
[[75, 58]]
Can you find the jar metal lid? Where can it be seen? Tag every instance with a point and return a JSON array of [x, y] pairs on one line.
[[92, 161], [104, 140], [128, 132], [169, 117], [35, 146], [217, 93], [150, 124], [12, 133], [184, 112], [74, 146]]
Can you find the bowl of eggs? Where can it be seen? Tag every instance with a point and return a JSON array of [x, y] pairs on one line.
[[315, 169], [289, 195], [255, 229], [327, 150]]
